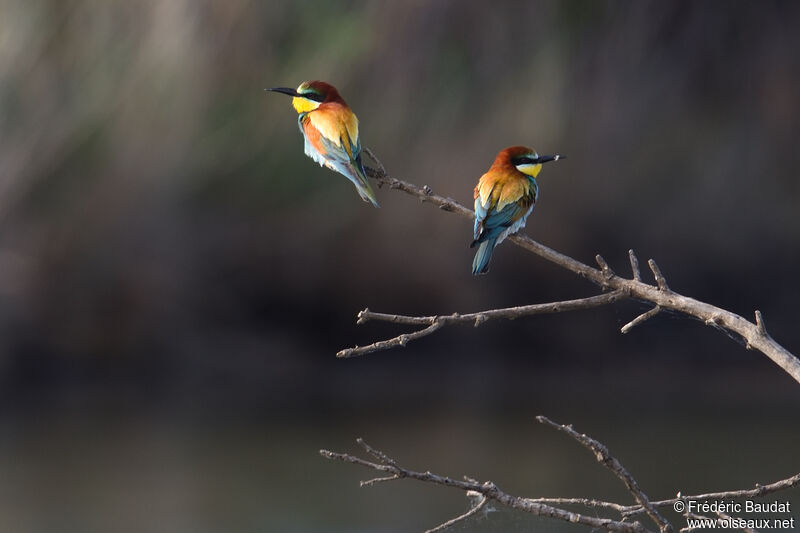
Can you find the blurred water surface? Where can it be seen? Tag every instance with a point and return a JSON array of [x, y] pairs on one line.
[[151, 474]]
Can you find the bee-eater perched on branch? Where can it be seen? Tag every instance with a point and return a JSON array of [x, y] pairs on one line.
[[504, 198], [330, 130]]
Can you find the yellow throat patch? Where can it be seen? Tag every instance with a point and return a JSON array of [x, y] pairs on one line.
[[304, 105], [530, 169]]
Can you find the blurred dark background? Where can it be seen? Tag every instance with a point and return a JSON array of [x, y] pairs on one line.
[[176, 276]]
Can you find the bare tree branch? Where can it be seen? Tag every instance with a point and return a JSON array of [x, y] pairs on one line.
[[637, 275], [760, 323], [604, 457], [754, 334], [490, 491], [480, 503], [604, 268], [757, 492], [400, 340], [641, 318], [551, 507], [661, 281], [436, 322], [376, 480], [372, 156], [633, 510], [587, 502]]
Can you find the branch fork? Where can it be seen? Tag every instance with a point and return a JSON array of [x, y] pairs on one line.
[[659, 295], [480, 493], [435, 322]]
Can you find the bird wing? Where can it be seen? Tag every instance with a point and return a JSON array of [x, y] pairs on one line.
[[499, 203], [337, 129], [335, 144]]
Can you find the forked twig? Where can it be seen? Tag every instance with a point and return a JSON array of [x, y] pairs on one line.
[[480, 503], [659, 295], [391, 470], [436, 322], [487, 489], [604, 457]]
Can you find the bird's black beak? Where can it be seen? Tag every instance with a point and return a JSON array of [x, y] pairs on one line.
[[284, 90], [547, 158]]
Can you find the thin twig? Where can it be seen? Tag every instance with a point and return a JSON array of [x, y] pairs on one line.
[[491, 492], [657, 295], [400, 340], [660, 279], [434, 323], [375, 158], [549, 506], [637, 275], [607, 272], [475, 508], [762, 329], [604, 457], [641, 318], [377, 454], [376, 480], [633, 510], [757, 492], [586, 502]]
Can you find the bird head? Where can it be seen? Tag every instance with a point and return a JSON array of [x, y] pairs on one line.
[[526, 160], [310, 94]]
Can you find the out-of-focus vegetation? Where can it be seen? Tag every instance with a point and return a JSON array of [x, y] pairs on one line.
[[167, 248], [157, 206]]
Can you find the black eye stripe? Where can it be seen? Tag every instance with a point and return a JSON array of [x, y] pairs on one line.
[[524, 160], [313, 96]]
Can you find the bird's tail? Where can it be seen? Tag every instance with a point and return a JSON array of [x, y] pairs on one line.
[[362, 183], [480, 265]]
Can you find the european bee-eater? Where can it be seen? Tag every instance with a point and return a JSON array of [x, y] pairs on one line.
[[330, 130], [504, 198]]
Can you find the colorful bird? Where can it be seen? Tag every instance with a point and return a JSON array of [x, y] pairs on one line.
[[330, 130], [504, 198]]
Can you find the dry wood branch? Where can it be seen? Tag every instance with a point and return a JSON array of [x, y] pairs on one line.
[[585, 502], [607, 272], [641, 318], [660, 294], [757, 492], [760, 323], [550, 507], [377, 480], [400, 340], [604, 457], [481, 502], [637, 275], [377, 161], [489, 491], [661, 281], [627, 511], [436, 322]]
